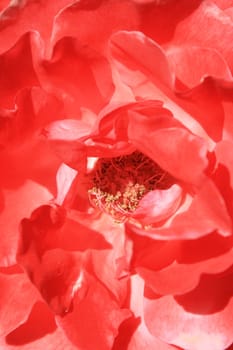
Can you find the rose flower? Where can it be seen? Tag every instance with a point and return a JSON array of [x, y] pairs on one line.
[[116, 196]]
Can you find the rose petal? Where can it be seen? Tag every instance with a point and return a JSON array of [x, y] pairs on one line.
[[204, 62], [13, 287], [53, 271], [100, 15], [125, 47], [167, 144], [206, 214], [181, 278], [169, 319], [223, 4], [33, 186], [111, 266], [68, 130], [167, 14], [216, 30], [13, 78], [82, 65], [66, 138], [37, 332], [97, 314], [223, 176], [25, 16], [53, 251], [133, 332], [29, 331], [65, 178], [158, 205], [147, 81], [32, 195], [209, 212], [33, 109]]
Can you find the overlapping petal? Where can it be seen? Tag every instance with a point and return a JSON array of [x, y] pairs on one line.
[[187, 328], [147, 82], [39, 330], [97, 314]]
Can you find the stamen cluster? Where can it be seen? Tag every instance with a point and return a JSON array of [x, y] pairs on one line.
[[120, 183]]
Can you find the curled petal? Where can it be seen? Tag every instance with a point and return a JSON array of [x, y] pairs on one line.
[[204, 62], [67, 130], [82, 65], [174, 148], [65, 178], [99, 15], [154, 77], [158, 205], [125, 47], [206, 213], [21, 17]]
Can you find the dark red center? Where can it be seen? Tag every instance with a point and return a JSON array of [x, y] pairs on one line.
[[120, 183]]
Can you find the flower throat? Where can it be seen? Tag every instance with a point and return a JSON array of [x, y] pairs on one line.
[[120, 183]]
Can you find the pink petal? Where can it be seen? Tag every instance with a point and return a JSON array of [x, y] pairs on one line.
[[167, 144], [188, 322], [15, 308], [223, 176], [125, 48], [133, 332], [68, 130], [158, 205], [206, 214], [216, 30], [204, 62], [135, 56], [223, 4], [207, 209], [65, 178], [66, 137], [111, 265]]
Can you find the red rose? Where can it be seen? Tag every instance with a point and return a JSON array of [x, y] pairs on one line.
[[116, 198]]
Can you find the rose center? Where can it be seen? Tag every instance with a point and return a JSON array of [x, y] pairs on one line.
[[120, 183]]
